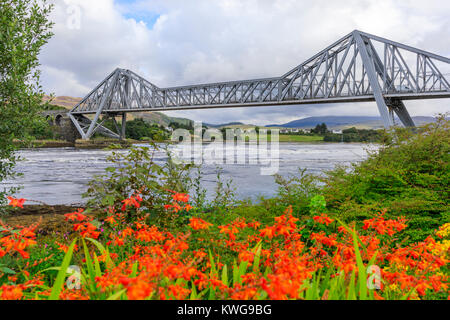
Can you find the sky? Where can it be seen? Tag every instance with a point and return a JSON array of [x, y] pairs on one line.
[[179, 42]]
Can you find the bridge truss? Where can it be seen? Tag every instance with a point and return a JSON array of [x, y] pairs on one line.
[[359, 67]]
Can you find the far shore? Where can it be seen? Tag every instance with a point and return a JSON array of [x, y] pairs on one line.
[[125, 144]]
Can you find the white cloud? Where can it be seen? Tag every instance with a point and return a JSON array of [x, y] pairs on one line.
[[203, 40]]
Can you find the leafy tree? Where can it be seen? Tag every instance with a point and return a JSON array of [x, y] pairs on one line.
[[355, 135], [138, 129], [24, 29], [320, 129], [179, 125], [350, 130]]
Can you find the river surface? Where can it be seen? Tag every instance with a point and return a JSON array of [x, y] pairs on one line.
[[60, 176]]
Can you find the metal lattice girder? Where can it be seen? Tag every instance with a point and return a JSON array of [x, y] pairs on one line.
[[358, 67], [83, 124]]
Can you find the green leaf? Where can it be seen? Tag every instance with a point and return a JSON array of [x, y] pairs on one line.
[[351, 295], [362, 275], [235, 273], [257, 258], [225, 275], [213, 265], [59, 282], [7, 270], [109, 262], [193, 295], [117, 295], [90, 267]]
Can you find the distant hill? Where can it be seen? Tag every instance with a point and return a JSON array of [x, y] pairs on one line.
[[160, 118], [63, 101], [151, 117], [224, 124], [343, 122]]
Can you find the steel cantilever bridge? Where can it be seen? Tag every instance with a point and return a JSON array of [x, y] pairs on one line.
[[358, 67]]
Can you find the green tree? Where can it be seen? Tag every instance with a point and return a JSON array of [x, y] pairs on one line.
[[24, 29], [321, 129], [139, 128]]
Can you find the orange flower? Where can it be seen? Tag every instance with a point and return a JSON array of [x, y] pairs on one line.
[[64, 248], [133, 201], [16, 202], [13, 241], [323, 219], [77, 215], [178, 292], [11, 292], [199, 224], [181, 197], [383, 226], [268, 232]]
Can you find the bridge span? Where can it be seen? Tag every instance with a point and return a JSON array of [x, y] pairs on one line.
[[358, 67]]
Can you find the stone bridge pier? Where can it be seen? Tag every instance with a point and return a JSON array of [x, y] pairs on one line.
[[64, 127]]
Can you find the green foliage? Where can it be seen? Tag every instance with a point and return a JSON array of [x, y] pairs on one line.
[[224, 192], [317, 205], [40, 129], [408, 175], [320, 129], [138, 129], [297, 190], [355, 135], [137, 172], [61, 276], [24, 29], [180, 125]]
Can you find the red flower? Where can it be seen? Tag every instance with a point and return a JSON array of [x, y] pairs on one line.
[[199, 224], [77, 215], [13, 202], [181, 197], [323, 219], [132, 202]]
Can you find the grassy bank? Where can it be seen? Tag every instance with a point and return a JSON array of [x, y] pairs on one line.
[[35, 144], [299, 138], [101, 143]]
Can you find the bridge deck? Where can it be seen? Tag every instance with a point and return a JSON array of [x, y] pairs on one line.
[[366, 98]]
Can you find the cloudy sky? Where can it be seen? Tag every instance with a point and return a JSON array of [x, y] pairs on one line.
[[179, 42]]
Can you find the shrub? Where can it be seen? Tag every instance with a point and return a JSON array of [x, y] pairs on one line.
[[408, 175]]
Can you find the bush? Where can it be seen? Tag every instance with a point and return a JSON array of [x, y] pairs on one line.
[[408, 175], [136, 173]]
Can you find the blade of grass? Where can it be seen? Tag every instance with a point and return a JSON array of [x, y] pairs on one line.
[[362, 276], [225, 275], [90, 267], [257, 258], [59, 282], [117, 295]]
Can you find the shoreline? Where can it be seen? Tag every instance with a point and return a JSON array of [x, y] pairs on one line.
[[50, 217], [116, 144]]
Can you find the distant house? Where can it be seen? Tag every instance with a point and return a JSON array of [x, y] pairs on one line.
[[337, 131]]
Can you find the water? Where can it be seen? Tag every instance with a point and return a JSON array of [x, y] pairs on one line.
[[60, 175]]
